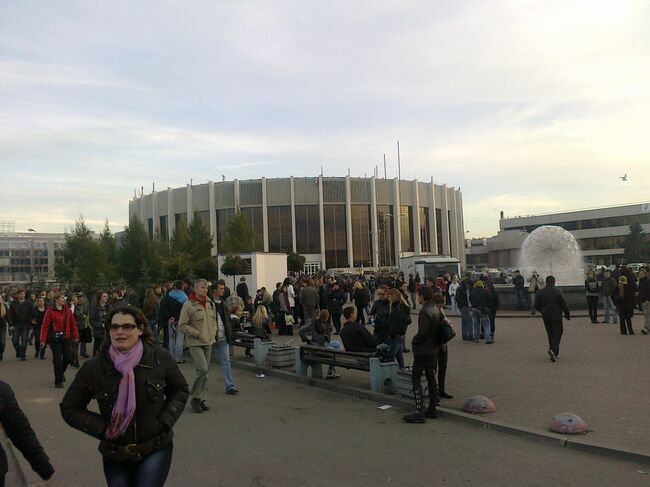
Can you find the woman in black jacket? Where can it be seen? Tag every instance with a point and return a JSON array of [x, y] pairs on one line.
[[335, 303], [97, 317], [624, 296], [141, 393], [399, 318]]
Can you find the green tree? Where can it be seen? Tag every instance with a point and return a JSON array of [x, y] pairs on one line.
[[295, 262], [239, 237], [234, 265], [138, 256], [200, 241], [636, 244], [109, 271], [207, 268], [82, 257]]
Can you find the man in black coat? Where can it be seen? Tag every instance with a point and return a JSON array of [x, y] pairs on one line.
[[242, 289], [22, 435], [355, 336], [19, 317], [551, 303]]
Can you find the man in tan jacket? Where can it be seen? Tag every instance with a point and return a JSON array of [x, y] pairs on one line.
[[198, 323]]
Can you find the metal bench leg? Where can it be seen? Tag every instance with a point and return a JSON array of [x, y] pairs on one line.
[[383, 376], [261, 350]]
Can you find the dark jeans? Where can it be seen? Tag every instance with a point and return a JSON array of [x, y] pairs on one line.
[[360, 316], [150, 472], [521, 298], [381, 338], [592, 305], [61, 358], [336, 319], [19, 339], [98, 334], [626, 321], [554, 330], [493, 317], [37, 341], [442, 359], [426, 365], [396, 350]]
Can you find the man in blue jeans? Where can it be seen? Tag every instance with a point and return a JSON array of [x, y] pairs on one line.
[[518, 283], [224, 338]]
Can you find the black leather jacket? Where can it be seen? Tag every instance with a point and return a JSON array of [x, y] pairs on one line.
[[161, 394], [426, 341]]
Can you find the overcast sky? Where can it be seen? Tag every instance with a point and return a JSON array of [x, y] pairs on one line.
[[527, 106]]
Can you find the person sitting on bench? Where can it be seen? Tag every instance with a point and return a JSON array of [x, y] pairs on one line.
[[321, 331], [357, 338], [260, 327]]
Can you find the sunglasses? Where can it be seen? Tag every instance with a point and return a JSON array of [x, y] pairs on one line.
[[125, 326]]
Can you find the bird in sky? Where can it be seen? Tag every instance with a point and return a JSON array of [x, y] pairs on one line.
[[623, 178]]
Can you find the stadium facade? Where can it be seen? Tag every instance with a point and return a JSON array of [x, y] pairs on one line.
[[335, 222]]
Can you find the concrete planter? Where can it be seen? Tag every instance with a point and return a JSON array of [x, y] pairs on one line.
[[281, 356], [405, 386]]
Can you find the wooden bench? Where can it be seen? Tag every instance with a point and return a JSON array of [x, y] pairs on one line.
[[383, 375]]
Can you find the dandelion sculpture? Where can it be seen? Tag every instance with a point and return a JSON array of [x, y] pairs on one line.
[[551, 250]]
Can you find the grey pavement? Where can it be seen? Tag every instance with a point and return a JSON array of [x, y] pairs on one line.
[[600, 375], [279, 433]]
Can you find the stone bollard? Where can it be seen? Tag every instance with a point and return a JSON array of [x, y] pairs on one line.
[[568, 424], [479, 405]]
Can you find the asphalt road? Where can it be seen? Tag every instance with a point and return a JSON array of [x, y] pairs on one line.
[[277, 433]]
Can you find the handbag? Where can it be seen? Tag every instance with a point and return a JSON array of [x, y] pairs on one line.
[[447, 331]]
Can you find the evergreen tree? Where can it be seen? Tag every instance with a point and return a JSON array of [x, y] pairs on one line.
[[239, 237], [82, 257], [137, 255], [200, 241], [636, 245], [295, 262], [110, 269]]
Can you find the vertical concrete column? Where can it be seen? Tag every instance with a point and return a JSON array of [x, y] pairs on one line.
[[190, 205], [446, 248], [293, 216], [453, 222], [141, 215], [237, 201], [213, 217], [374, 226], [397, 230], [416, 219], [461, 228], [265, 216], [348, 220], [154, 213], [171, 216], [433, 223], [321, 214]]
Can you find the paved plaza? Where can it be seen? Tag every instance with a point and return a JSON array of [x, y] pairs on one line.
[[279, 432]]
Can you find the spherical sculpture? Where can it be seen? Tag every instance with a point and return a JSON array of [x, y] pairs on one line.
[[479, 405], [568, 423], [552, 251]]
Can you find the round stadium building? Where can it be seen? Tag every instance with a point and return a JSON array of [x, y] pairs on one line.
[[335, 222]]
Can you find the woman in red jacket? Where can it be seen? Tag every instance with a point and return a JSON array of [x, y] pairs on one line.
[[59, 331]]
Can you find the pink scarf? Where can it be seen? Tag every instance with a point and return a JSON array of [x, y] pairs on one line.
[[124, 407]]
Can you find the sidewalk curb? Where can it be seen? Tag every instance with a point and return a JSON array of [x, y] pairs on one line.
[[574, 442]]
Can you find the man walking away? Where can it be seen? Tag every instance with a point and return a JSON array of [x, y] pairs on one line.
[[551, 303], [169, 313]]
